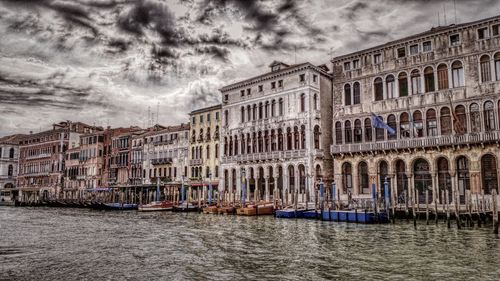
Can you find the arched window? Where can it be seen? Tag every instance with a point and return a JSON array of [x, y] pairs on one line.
[[347, 94], [11, 152], [273, 108], [249, 113], [358, 132], [302, 102], [193, 136], [266, 110], [457, 71], [260, 111], [379, 132], [418, 124], [383, 171], [348, 131], [484, 65], [475, 118], [10, 171], [317, 135], [378, 88], [460, 124], [364, 183], [404, 125], [368, 129], [489, 173], [442, 74], [254, 112], [489, 116], [431, 120], [391, 121], [497, 66], [416, 84], [315, 101], [280, 107], [356, 93], [403, 84], [347, 177], [242, 114], [208, 151], [390, 86], [445, 118], [226, 118], [444, 179], [429, 79], [402, 180], [422, 179]]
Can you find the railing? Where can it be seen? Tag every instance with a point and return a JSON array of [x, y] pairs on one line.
[[275, 155], [194, 162], [470, 138], [38, 156]]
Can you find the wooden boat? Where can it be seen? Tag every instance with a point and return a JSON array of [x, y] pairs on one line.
[[256, 210], [156, 206], [185, 207], [226, 210], [291, 212], [210, 210], [356, 216]]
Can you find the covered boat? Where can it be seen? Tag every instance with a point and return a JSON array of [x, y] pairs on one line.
[[156, 206]]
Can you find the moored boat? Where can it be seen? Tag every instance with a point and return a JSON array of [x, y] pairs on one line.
[[156, 206], [119, 206], [185, 207]]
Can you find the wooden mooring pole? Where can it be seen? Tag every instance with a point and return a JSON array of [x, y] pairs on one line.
[[427, 207], [495, 211]]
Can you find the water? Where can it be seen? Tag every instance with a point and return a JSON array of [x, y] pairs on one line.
[[77, 244]]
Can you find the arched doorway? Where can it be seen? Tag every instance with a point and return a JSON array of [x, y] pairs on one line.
[[444, 180], [463, 177], [383, 172], [364, 181], [291, 182], [251, 183], [402, 181], [272, 184], [347, 178], [422, 179], [489, 173]]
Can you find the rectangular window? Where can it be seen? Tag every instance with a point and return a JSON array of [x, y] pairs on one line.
[[355, 64], [402, 52], [201, 118], [261, 88], [208, 119], [242, 93], [226, 97], [427, 46], [495, 30], [454, 40], [347, 66], [315, 78], [194, 120], [414, 49], [302, 77], [280, 83], [273, 85], [482, 33], [377, 58], [217, 116], [249, 91]]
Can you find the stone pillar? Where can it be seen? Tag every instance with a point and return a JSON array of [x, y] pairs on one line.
[[266, 197]]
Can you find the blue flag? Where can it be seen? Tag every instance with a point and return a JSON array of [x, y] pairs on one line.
[[377, 122]]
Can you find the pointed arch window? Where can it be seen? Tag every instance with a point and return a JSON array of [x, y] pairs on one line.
[[442, 73], [475, 118], [429, 79], [364, 184], [379, 89], [348, 131], [431, 120], [391, 121], [379, 132], [368, 130], [445, 118], [356, 93], [358, 132], [403, 84], [347, 177], [347, 94], [489, 173], [418, 124], [489, 116]]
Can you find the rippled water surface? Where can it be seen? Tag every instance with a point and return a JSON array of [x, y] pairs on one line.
[[76, 244]]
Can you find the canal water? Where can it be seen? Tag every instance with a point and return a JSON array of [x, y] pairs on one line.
[[78, 244]]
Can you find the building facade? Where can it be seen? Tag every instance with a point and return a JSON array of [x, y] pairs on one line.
[[204, 145], [41, 160], [165, 156], [440, 92], [9, 156], [276, 133]]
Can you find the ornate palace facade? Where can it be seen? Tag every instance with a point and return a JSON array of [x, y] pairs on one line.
[[440, 92], [276, 133]]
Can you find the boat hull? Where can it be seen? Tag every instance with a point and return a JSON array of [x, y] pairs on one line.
[[156, 207]]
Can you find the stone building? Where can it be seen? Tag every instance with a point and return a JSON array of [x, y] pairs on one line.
[[204, 146], [9, 156], [41, 160], [440, 92], [165, 156], [276, 133]]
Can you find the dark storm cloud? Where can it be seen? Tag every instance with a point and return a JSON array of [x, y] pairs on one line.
[[217, 52]]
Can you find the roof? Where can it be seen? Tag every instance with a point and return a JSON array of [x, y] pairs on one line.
[[206, 109], [13, 139], [432, 31], [169, 129], [270, 74]]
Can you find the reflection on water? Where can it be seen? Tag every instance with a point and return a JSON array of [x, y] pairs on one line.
[[70, 244]]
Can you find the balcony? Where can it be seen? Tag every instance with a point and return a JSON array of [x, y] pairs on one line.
[[39, 156], [194, 162], [161, 161], [318, 153], [451, 140], [266, 156]]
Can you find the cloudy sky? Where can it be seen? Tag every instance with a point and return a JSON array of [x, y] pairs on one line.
[[106, 61]]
